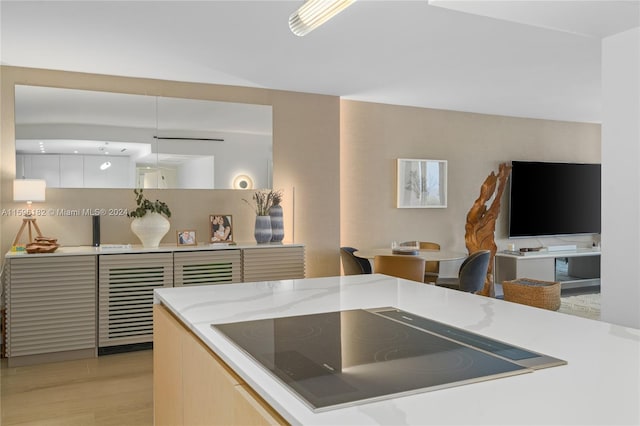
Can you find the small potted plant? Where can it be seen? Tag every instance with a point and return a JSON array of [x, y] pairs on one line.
[[145, 206], [150, 222]]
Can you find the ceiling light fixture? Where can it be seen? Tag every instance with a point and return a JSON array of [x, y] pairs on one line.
[[105, 165], [167, 138], [314, 13]]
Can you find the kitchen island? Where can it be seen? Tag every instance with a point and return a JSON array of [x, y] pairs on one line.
[[200, 376]]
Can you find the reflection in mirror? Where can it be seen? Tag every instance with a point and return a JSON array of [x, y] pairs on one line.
[[242, 182], [87, 139]]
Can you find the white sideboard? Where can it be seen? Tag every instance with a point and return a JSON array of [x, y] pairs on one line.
[[572, 268], [83, 301]]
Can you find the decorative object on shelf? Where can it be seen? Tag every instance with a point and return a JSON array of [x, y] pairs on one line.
[[262, 203], [421, 183], [149, 223], [28, 190], [95, 228], [277, 220], [481, 221], [43, 245], [262, 231], [186, 238], [408, 248], [221, 228]]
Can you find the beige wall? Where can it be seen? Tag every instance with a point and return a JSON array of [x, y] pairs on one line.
[[305, 157], [338, 155], [373, 136]]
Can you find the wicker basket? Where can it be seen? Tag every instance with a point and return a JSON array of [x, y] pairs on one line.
[[541, 294]]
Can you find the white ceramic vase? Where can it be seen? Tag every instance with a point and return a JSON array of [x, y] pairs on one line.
[[150, 229]]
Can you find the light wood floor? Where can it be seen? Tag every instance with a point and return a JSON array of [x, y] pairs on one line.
[[104, 391]]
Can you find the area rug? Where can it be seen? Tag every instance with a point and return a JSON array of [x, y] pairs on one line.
[[583, 305]]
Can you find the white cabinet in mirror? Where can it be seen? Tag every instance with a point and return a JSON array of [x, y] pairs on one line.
[[89, 139]]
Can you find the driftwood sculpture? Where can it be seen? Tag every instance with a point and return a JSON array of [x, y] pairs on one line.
[[481, 221]]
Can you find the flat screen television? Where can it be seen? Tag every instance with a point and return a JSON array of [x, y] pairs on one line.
[[554, 199]]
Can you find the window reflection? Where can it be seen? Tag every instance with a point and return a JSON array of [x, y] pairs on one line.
[[65, 135]]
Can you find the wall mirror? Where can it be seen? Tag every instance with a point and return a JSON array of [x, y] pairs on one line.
[[89, 139]]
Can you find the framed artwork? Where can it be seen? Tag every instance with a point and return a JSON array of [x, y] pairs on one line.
[[421, 183], [221, 228], [186, 237]]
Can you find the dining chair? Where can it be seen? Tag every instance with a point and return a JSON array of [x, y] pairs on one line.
[[472, 273], [432, 267], [352, 264], [408, 267]]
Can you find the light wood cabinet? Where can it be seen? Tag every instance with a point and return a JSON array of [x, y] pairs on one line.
[[167, 378], [273, 263], [193, 386], [51, 309], [207, 267], [79, 301], [252, 410], [126, 283]]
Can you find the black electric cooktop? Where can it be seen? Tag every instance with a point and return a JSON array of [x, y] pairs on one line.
[[335, 359]]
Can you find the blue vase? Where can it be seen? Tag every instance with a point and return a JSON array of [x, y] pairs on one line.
[[262, 231], [277, 224]]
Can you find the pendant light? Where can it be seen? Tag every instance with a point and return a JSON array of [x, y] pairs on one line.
[[314, 13]]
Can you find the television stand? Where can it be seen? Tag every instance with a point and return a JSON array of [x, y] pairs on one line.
[[578, 268]]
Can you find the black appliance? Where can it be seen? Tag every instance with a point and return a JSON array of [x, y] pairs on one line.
[[336, 359]]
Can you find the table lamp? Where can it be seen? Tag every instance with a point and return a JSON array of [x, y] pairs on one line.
[[28, 190]]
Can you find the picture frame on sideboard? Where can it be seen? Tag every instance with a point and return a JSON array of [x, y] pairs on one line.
[[221, 228]]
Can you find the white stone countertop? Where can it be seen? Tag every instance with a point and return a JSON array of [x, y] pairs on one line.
[[599, 385], [136, 248]]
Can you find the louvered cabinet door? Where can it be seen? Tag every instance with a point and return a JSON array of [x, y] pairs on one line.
[[126, 283], [51, 305], [207, 267], [273, 263]]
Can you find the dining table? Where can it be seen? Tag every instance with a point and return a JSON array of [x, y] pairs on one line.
[[427, 254]]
